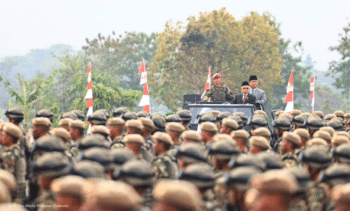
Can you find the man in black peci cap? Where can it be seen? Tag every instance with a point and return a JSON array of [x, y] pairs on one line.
[[244, 97], [258, 93]]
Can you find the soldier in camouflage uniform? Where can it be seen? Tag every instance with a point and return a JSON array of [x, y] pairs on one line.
[[165, 163], [208, 131], [101, 156], [280, 125], [175, 130], [258, 144], [218, 92], [76, 131], [134, 142], [304, 137], [13, 157], [228, 125], [116, 126], [120, 111], [314, 159], [298, 122], [148, 127], [241, 139], [185, 116], [290, 142], [190, 153], [64, 123], [341, 154], [314, 123]]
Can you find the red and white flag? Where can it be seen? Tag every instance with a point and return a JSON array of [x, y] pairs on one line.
[[208, 84], [88, 96], [145, 101], [312, 95], [289, 96]]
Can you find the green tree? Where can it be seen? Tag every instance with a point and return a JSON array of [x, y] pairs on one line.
[[233, 48]]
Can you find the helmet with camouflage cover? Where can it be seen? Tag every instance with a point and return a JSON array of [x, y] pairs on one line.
[[173, 118], [14, 113], [99, 155], [142, 114], [159, 122], [120, 111], [314, 123], [295, 112], [136, 172], [237, 119], [80, 115], [281, 123], [324, 135], [52, 164], [45, 113], [222, 116], [258, 121], [91, 141], [336, 174], [342, 153], [285, 115], [192, 153], [223, 149], [201, 175], [303, 178], [272, 160], [247, 160], [48, 144], [328, 129], [185, 115], [260, 112], [97, 118], [340, 114], [122, 155], [88, 169], [68, 115], [318, 113], [129, 115], [299, 120], [262, 131], [239, 177], [316, 156], [306, 114], [242, 116], [206, 118], [336, 123], [328, 117]]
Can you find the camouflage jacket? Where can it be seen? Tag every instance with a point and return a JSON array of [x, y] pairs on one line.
[[317, 197], [118, 143], [165, 166], [289, 160], [218, 93]]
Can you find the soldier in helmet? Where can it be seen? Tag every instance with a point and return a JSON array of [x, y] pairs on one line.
[[241, 138], [220, 117], [329, 117], [190, 153], [76, 131], [116, 126], [64, 123], [185, 116], [101, 156], [15, 116], [120, 111], [88, 169], [341, 154], [304, 137], [221, 151], [208, 131], [289, 144], [218, 92], [134, 142], [175, 130], [98, 118], [258, 144], [45, 113], [280, 125], [299, 121], [228, 125], [148, 127], [165, 163], [41, 126]]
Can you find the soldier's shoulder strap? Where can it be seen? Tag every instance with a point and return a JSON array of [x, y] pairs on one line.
[[17, 152]]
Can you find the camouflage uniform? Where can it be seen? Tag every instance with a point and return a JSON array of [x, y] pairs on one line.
[[317, 197], [165, 165], [289, 160], [118, 143], [218, 93], [46, 202], [14, 162]]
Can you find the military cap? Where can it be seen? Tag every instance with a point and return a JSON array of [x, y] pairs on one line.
[[95, 140], [247, 160], [239, 178], [206, 118], [230, 123], [243, 134], [292, 137], [214, 112], [119, 111], [173, 118], [342, 153], [159, 122], [134, 138], [136, 172], [174, 126], [275, 181], [12, 207], [100, 129], [9, 180], [122, 155], [191, 153], [147, 122], [281, 123], [97, 118], [129, 116], [184, 114], [41, 121], [277, 113], [343, 133], [103, 113], [314, 123], [99, 155], [109, 194], [5, 195], [299, 120], [69, 115], [70, 185], [295, 112], [142, 114], [77, 124], [14, 113], [260, 112], [262, 131], [64, 122], [328, 129], [222, 137], [336, 124], [341, 194], [258, 121], [324, 135], [52, 164], [181, 194], [302, 176], [318, 113], [44, 113], [88, 169], [316, 142], [209, 127], [306, 114], [272, 160], [338, 140], [303, 133], [115, 121], [222, 116], [316, 156], [201, 175], [49, 144], [260, 142], [237, 119], [347, 115], [336, 174], [191, 135], [242, 116], [12, 130], [330, 116], [163, 137], [286, 116], [134, 123], [223, 149], [339, 114], [61, 133], [80, 115]]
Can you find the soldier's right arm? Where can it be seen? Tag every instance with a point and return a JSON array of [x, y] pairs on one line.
[[208, 94]]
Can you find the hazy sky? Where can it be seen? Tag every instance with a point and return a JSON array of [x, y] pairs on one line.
[[32, 24]]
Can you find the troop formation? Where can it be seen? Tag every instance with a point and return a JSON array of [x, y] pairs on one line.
[[139, 161]]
